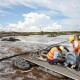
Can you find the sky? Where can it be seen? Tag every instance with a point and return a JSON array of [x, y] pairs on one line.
[[39, 15]]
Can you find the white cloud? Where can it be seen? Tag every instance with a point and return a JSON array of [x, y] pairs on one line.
[[71, 22], [9, 3], [1, 28], [35, 22], [62, 5], [69, 8]]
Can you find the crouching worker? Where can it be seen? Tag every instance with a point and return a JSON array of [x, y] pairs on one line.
[[54, 56]]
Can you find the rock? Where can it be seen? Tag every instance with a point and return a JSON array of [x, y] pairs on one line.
[[21, 64], [10, 39], [0, 36], [52, 35]]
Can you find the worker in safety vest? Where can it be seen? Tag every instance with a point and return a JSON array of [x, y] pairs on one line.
[[76, 47], [75, 43], [54, 55]]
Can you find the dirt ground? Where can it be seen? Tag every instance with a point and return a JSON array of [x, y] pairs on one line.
[[34, 74], [10, 72], [27, 43]]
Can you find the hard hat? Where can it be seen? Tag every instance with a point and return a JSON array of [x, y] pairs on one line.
[[61, 47], [71, 38]]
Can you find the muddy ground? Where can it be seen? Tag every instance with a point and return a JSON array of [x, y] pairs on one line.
[[26, 43], [10, 72]]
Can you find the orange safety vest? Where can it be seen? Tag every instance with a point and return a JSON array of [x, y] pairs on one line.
[[50, 54], [77, 48]]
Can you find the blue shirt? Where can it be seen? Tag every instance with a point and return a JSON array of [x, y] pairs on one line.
[[55, 54], [75, 44]]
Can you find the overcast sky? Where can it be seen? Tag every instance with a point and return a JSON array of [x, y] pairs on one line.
[[36, 15]]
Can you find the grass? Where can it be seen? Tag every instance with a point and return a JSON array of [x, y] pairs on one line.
[[36, 33]]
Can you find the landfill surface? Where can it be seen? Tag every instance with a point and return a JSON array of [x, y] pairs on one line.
[[27, 43]]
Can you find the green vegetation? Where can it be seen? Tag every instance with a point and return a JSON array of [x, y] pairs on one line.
[[37, 33]]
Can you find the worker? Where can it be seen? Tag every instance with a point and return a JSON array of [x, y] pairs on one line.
[[76, 48], [54, 55], [75, 44]]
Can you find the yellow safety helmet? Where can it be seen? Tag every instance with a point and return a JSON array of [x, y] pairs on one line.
[[71, 38], [61, 47]]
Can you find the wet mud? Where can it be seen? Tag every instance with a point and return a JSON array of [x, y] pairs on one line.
[[10, 72]]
